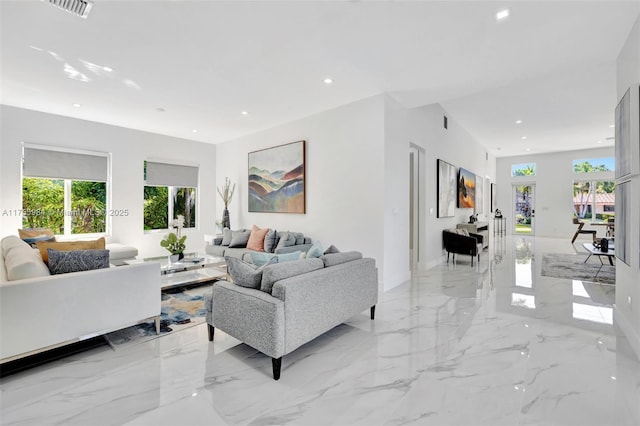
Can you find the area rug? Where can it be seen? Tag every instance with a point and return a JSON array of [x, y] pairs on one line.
[[573, 267], [181, 308]]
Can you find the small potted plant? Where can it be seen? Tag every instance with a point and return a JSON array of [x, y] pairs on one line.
[[173, 242]]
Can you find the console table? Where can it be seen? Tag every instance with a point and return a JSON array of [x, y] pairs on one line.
[[481, 228]]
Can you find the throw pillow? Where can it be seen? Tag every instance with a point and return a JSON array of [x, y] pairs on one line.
[[331, 249], [226, 237], [280, 271], [288, 257], [245, 274], [315, 250], [260, 259], [239, 239], [333, 259], [23, 262], [62, 262], [43, 246], [256, 239], [32, 235], [287, 239], [299, 236], [270, 241]]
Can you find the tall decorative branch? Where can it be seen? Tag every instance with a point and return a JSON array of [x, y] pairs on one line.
[[226, 194]]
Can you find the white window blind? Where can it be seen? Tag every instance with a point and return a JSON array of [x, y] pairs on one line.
[[162, 174], [44, 163]]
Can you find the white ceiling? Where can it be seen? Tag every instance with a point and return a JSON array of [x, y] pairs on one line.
[[550, 64]]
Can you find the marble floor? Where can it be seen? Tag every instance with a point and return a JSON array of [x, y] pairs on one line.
[[496, 344]]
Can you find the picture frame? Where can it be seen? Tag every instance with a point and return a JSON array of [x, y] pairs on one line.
[[479, 206], [446, 183], [277, 179], [466, 189]]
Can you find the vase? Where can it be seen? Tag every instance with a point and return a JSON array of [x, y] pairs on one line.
[[173, 258], [226, 223]]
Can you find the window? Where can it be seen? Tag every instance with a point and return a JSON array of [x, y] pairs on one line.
[[64, 191], [527, 169], [169, 191], [593, 165], [595, 200]]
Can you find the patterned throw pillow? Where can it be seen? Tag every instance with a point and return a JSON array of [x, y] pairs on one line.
[[62, 262], [244, 274]]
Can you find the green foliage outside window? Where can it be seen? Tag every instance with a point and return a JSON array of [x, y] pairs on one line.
[[156, 207]]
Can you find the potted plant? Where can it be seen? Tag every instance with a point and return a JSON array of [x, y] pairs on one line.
[[174, 242], [227, 194]]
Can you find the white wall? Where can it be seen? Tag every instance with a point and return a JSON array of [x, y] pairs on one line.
[[553, 197], [627, 309], [129, 148], [345, 188], [456, 146]]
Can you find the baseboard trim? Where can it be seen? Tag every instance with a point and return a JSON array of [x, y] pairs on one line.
[[624, 326]]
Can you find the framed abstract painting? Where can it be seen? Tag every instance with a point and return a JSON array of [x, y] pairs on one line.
[[277, 179], [446, 189]]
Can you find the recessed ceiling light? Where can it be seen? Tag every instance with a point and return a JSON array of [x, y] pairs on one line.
[[328, 80], [527, 149], [244, 113], [195, 130], [599, 142], [524, 137], [107, 69], [518, 121], [502, 14], [612, 125], [76, 105]]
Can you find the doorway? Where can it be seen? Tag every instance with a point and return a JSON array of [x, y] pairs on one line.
[[416, 165], [524, 208]]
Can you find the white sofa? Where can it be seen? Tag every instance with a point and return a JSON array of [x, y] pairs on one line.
[[47, 311]]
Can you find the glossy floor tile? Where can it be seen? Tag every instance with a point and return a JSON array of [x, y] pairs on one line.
[[496, 344]]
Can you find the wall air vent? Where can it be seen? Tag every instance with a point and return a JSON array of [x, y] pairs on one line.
[[79, 8]]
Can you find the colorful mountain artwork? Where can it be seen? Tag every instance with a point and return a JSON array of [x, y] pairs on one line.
[[276, 179]]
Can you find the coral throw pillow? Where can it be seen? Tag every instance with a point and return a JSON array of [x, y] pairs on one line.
[[256, 239]]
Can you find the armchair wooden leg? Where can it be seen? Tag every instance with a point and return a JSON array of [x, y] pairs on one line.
[[276, 363], [373, 312], [211, 330]]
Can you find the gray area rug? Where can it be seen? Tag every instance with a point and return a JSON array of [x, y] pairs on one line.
[[573, 267]]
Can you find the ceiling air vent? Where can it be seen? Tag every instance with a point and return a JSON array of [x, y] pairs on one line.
[[79, 8]]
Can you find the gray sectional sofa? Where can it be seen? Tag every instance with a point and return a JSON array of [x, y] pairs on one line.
[[307, 298], [278, 242]]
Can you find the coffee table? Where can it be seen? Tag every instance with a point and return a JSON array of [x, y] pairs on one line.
[[593, 251], [195, 268]]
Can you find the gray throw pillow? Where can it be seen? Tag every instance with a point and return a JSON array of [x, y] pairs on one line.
[[226, 237], [333, 259], [245, 274], [287, 239], [270, 241], [299, 236], [62, 262], [280, 271], [239, 239], [332, 249]]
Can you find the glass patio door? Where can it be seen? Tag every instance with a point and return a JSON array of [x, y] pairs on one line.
[[524, 209]]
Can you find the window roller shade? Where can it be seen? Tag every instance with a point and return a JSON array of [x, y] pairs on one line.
[[162, 174], [43, 163]]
